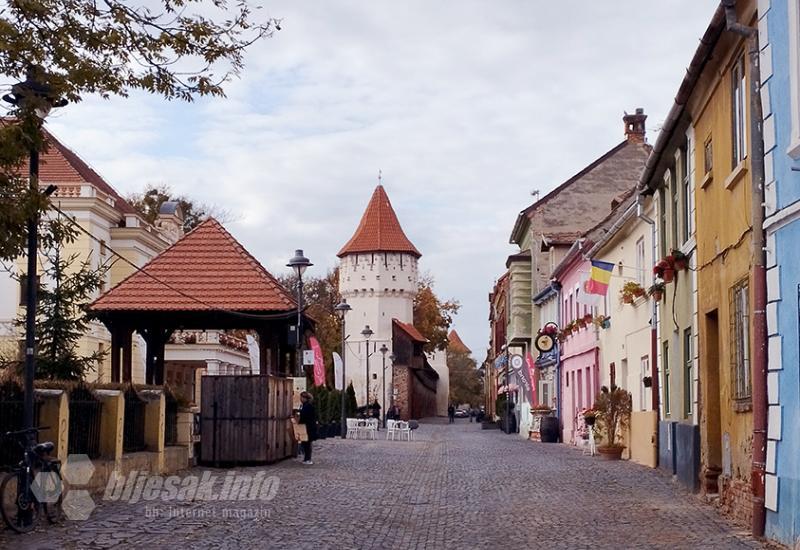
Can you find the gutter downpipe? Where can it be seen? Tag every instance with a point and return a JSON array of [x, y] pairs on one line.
[[758, 262], [654, 388]]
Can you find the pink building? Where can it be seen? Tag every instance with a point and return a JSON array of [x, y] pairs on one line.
[[579, 372]]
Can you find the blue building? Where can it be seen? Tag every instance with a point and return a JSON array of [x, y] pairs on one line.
[[779, 39]]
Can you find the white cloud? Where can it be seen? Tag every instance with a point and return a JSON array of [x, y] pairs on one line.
[[465, 105]]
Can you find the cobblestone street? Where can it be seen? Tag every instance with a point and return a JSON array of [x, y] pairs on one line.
[[451, 488]]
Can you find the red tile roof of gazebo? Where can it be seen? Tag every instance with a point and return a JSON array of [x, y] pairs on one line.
[[379, 230], [206, 270]]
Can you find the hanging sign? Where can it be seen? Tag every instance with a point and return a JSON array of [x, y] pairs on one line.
[[520, 369]]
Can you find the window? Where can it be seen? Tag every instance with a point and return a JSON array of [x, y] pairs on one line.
[[688, 381], [740, 340], [708, 156], [662, 222], [739, 115], [794, 76], [665, 368], [640, 268], [670, 179], [644, 364], [686, 197]]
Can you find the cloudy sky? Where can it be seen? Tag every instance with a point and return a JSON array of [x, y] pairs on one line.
[[465, 105]]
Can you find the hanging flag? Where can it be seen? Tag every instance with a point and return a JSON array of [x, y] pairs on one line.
[[338, 371], [319, 362], [523, 376], [599, 277], [534, 379]]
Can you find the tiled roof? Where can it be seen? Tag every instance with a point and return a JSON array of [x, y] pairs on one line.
[[455, 343], [379, 229], [411, 331], [206, 270]]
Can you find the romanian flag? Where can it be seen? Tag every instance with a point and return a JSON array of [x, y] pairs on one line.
[[599, 277]]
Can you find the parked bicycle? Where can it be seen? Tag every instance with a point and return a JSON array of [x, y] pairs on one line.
[[24, 493]]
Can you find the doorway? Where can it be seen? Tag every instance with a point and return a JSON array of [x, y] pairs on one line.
[[711, 393]]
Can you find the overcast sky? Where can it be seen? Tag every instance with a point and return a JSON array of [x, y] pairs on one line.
[[466, 106]]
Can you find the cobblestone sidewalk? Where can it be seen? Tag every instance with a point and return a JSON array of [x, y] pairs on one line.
[[455, 487]]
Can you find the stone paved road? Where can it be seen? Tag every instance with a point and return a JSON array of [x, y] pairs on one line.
[[455, 487]]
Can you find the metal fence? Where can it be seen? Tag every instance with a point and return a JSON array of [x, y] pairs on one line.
[[170, 420], [133, 433], [84, 423], [12, 418]]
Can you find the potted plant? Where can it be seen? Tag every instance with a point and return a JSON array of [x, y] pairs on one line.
[[588, 318], [580, 323], [657, 291], [647, 381], [602, 321], [665, 269], [680, 260], [590, 417], [613, 407], [630, 291]]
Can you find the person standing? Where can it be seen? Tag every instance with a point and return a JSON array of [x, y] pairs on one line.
[[451, 413], [308, 417]]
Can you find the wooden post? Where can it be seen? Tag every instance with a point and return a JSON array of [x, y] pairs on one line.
[[150, 339], [127, 355], [116, 348], [263, 365]]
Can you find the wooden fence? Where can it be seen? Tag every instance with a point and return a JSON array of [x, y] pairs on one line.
[[245, 419]]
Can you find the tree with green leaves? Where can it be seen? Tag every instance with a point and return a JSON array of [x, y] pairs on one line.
[[466, 385], [178, 49]]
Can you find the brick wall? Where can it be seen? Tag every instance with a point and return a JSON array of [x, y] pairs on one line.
[[736, 499]]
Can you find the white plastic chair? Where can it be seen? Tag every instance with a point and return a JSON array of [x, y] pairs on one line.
[[391, 429], [403, 430], [371, 428], [353, 430]]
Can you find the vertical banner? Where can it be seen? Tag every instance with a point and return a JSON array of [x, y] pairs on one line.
[[534, 380], [520, 369], [338, 371], [319, 362]]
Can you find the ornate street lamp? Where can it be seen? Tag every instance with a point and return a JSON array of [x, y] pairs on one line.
[[367, 333], [299, 264], [40, 98], [383, 351], [341, 310], [392, 358]]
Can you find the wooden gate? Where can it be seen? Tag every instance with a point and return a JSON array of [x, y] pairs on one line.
[[245, 419]]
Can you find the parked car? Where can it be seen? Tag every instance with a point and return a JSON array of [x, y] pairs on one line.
[[462, 413]]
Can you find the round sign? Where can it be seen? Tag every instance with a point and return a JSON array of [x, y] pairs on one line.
[[517, 361], [544, 343]]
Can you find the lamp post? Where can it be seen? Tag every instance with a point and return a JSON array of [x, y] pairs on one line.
[[383, 351], [341, 310], [366, 333], [39, 98], [508, 392], [392, 358], [299, 264]]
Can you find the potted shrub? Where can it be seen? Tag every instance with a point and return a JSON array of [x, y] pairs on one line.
[[680, 260], [602, 321], [630, 291], [613, 408], [657, 291], [665, 269], [580, 323], [588, 318]]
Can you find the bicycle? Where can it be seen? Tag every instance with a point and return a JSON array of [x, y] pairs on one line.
[[19, 503]]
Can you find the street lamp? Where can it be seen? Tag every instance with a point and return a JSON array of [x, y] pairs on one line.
[[39, 98], [341, 310], [366, 333], [299, 264], [383, 351]]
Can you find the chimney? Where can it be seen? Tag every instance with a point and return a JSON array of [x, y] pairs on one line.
[[634, 126]]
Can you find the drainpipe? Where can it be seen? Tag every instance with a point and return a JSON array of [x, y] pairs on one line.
[[654, 388], [758, 262]]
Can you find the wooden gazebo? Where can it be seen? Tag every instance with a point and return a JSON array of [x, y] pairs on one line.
[[206, 280]]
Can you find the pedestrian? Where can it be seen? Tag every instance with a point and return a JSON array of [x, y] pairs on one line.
[[471, 414], [451, 413], [308, 417]]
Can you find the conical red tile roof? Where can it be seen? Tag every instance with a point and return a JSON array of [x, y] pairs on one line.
[[456, 344], [379, 230], [206, 270]]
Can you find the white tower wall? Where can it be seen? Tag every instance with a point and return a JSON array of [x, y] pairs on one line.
[[379, 287]]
